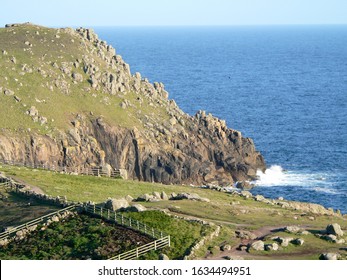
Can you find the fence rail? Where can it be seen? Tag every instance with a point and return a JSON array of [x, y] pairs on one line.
[[14, 230], [123, 220], [92, 171], [139, 251]]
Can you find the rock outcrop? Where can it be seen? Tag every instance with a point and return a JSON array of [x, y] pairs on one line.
[[137, 129]]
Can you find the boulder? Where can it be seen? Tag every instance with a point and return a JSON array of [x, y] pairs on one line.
[[116, 204], [257, 245], [163, 257], [156, 195], [243, 234], [292, 229], [284, 241], [329, 256], [246, 194], [226, 247], [298, 241], [77, 77], [8, 92], [334, 229], [129, 198], [136, 208], [271, 247], [164, 196]]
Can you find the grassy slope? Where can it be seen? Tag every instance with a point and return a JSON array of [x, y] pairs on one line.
[[57, 107], [233, 212]]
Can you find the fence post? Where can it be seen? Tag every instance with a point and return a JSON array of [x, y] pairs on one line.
[[169, 240], [122, 219], [155, 245], [145, 229], [137, 252], [108, 214], [153, 233], [101, 212], [161, 234], [115, 217], [130, 222], [138, 225], [94, 209]]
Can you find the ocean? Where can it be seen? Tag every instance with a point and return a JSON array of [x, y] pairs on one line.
[[283, 86]]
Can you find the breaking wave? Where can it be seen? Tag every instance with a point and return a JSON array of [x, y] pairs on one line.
[[277, 176]]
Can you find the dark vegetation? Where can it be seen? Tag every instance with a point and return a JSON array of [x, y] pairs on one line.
[[79, 237]]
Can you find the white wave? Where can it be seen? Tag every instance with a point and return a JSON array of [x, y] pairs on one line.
[[276, 176]]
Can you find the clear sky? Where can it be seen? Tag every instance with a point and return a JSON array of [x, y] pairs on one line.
[[172, 12]]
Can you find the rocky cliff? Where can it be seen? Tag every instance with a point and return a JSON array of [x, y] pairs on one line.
[[67, 98]]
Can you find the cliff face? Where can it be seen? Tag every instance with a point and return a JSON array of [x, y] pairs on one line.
[[84, 108]]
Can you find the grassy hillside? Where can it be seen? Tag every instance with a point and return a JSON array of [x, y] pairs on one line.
[[32, 61], [230, 211]]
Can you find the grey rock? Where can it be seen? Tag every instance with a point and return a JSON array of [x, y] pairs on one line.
[[77, 77], [33, 112], [136, 208], [334, 229], [246, 194], [164, 196], [163, 257], [258, 245], [292, 229], [8, 92], [116, 204], [226, 247], [284, 241], [271, 247], [329, 256], [298, 241], [243, 234], [129, 198]]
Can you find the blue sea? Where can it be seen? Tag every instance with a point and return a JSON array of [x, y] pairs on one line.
[[283, 86]]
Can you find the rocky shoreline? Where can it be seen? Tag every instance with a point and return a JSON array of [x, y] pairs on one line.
[[162, 145]]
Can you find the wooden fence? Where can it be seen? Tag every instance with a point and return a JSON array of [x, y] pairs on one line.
[[93, 171], [139, 251], [14, 230]]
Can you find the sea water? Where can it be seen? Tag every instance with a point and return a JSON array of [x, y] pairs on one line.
[[283, 86]]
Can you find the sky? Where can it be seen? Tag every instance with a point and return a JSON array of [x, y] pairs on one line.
[[74, 13]]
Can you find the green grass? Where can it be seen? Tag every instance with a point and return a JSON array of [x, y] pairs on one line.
[[58, 108], [230, 211], [79, 237]]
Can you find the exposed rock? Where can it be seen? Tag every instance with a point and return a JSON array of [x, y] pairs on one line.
[[190, 196], [271, 247], [244, 185], [33, 112], [116, 204], [284, 241], [136, 208], [246, 194], [292, 229], [176, 149], [129, 198], [329, 256], [164, 196], [226, 247], [163, 257], [77, 77], [257, 245], [8, 92], [334, 229], [243, 234], [298, 241]]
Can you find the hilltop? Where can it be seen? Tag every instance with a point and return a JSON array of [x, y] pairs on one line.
[[68, 99]]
